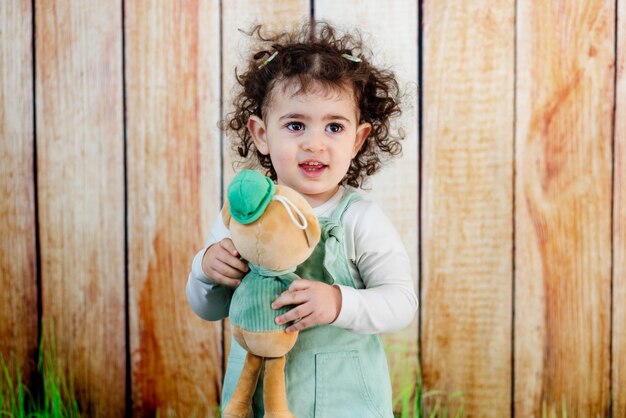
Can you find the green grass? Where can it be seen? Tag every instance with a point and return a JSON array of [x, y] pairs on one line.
[[552, 411], [412, 401], [13, 393], [55, 397]]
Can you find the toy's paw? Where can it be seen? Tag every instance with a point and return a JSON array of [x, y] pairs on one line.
[[236, 409], [278, 414]]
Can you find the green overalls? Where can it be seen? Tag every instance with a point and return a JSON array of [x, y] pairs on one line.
[[330, 372]]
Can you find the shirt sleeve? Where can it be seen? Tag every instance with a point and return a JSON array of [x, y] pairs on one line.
[[387, 302], [208, 299]]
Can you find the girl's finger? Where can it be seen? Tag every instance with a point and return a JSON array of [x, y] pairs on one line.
[[290, 297], [300, 313], [232, 261], [300, 284], [300, 325], [228, 245], [227, 271], [227, 281]]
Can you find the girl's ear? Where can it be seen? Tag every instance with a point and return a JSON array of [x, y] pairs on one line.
[[258, 132], [362, 131]]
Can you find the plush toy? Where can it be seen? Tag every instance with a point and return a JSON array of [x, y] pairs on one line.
[[274, 229]]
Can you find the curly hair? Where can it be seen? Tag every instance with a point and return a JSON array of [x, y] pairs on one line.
[[312, 56]]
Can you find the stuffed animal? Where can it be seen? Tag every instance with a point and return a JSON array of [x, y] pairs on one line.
[[274, 229]]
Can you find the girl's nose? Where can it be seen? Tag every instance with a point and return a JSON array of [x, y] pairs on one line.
[[314, 142]]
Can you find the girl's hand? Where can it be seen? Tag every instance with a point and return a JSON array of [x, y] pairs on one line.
[[222, 264], [317, 303]]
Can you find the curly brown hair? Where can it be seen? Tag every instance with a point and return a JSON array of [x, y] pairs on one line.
[[312, 56]]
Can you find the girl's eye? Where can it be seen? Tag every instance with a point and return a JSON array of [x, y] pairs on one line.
[[295, 126], [334, 127]]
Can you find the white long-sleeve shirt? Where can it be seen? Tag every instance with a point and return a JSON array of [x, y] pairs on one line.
[[384, 300]]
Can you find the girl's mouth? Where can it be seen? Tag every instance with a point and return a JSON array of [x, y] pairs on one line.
[[312, 168]]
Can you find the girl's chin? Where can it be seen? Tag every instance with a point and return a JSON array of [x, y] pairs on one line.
[[318, 189], [318, 196]]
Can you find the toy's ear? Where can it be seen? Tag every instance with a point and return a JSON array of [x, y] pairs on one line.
[[226, 214]]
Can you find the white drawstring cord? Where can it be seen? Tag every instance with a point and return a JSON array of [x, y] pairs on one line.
[[289, 205]]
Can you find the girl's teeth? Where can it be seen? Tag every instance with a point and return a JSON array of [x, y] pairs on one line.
[[312, 166]]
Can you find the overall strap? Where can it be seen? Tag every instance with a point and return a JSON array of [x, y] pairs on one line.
[[350, 196], [335, 261]]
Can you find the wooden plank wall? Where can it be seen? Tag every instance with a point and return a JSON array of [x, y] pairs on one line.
[[565, 101], [80, 171], [172, 85], [619, 224], [18, 263], [466, 219], [112, 169]]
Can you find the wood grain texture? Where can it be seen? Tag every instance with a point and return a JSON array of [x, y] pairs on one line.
[[467, 202], [619, 224], [274, 15], [395, 188], [173, 187], [18, 266], [565, 56], [81, 194]]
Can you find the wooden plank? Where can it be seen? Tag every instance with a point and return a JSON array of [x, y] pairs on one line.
[[81, 194], [395, 47], [172, 78], [619, 225], [467, 197], [274, 15], [565, 58], [18, 265]]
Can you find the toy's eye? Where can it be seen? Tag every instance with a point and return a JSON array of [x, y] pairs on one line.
[[334, 128], [295, 126]]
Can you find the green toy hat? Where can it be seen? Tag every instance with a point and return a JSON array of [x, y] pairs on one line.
[[248, 196]]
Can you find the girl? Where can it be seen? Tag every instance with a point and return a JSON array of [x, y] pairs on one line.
[[315, 115]]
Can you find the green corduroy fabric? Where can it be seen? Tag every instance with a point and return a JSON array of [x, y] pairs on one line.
[[250, 306]]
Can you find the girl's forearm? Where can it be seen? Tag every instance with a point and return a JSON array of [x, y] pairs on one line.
[[209, 301]]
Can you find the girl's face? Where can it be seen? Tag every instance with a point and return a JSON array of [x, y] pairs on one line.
[[310, 137]]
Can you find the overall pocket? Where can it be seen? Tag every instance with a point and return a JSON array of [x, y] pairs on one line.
[[340, 387]]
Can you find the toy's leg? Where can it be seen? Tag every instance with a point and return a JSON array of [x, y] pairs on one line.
[[274, 391], [240, 402]]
